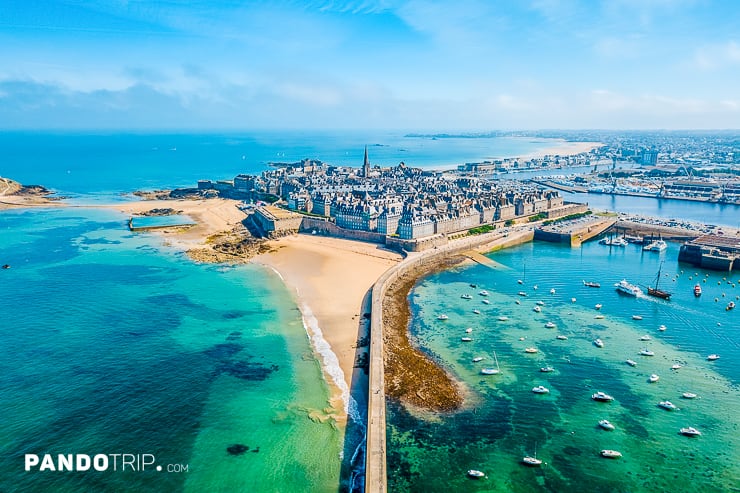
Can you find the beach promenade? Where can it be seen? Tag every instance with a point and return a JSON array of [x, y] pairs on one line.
[[375, 460]]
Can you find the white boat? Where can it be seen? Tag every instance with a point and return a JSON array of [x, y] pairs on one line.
[[688, 395], [561, 337], [503, 318], [531, 350], [466, 339], [653, 378], [655, 246], [519, 281], [550, 325], [668, 405], [675, 367], [468, 330], [611, 454], [531, 461], [540, 390], [629, 289], [476, 311], [547, 369], [598, 306], [599, 343], [443, 317], [591, 284], [662, 328], [517, 302], [522, 293], [631, 362], [552, 291], [602, 397], [713, 357], [690, 431], [486, 302], [645, 338], [537, 308], [466, 297], [473, 473], [483, 293], [636, 317], [647, 352], [534, 287], [604, 423], [492, 371], [477, 359], [599, 317], [541, 303], [572, 300]]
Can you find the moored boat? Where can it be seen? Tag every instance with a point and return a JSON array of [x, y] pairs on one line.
[[547, 369], [443, 317], [662, 328], [503, 318], [550, 325], [540, 389], [490, 371], [611, 454], [483, 293], [697, 290], [636, 317], [690, 431], [602, 397], [599, 343], [688, 395], [531, 350], [486, 302], [713, 357], [466, 339], [653, 378], [730, 306], [645, 338], [561, 337], [476, 311], [591, 284], [668, 405], [531, 461], [477, 359], [604, 423], [474, 473], [647, 352], [466, 297], [537, 308], [631, 362]]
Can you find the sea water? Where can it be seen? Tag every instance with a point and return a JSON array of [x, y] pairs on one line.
[[504, 420], [111, 345]]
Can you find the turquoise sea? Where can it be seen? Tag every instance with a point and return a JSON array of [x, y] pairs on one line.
[[504, 420]]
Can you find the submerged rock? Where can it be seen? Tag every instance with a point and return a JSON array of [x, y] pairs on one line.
[[237, 449]]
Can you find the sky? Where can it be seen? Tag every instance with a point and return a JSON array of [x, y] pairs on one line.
[[417, 65]]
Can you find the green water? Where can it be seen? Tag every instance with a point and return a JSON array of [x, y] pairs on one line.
[[504, 420]]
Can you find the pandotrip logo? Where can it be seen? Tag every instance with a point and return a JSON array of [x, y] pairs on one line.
[[98, 462]]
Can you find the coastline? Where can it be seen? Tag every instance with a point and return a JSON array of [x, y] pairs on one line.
[[565, 148]]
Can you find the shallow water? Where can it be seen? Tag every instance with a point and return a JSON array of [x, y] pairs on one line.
[[505, 420]]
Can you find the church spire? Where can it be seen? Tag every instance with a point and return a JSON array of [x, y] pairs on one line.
[[366, 165]]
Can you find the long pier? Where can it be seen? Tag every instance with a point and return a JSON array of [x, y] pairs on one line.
[[576, 232], [376, 474]]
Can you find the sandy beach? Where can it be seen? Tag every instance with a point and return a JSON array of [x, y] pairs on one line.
[[564, 149], [331, 277]]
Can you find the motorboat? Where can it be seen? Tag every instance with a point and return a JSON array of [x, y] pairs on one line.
[[486, 302], [668, 405], [604, 423], [645, 338], [552, 291], [519, 281], [697, 290], [636, 317], [477, 359], [503, 318], [572, 300], [561, 337], [647, 352], [690, 431], [468, 330], [531, 350], [602, 397], [537, 308], [655, 246], [730, 306], [517, 302], [466, 297], [466, 339], [591, 284], [631, 362], [473, 473], [547, 369], [598, 306], [522, 293], [476, 311], [653, 378], [550, 325], [541, 303], [443, 317], [540, 390], [662, 328], [626, 288], [675, 367], [599, 317], [611, 454], [483, 293], [713, 357], [689, 395], [599, 343]]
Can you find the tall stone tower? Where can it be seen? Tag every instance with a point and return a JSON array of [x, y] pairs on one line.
[[366, 165]]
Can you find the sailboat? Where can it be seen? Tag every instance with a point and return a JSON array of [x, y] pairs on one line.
[[491, 371], [532, 461], [658, 293]]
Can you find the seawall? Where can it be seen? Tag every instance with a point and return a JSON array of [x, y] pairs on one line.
[[375, 459]]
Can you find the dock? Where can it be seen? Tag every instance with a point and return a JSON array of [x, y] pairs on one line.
[[714, 252], [483, 260], [575, 232]]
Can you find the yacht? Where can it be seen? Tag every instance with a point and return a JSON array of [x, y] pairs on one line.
[[690, 431], [550, 325], [602, 397], [668, 405], [541, 390], [532, 461], [688, 395], [466, 297], [492, 371], [631, 362], [443, 317], [653, 378], [599, 343], [483, 293], [604, 423], [713, 357], [611, 454], [647, 352], [473, 473], [629, 289], [655, 246], [531, 350]]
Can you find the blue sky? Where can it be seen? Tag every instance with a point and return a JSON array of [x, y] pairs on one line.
[[385, 64]]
